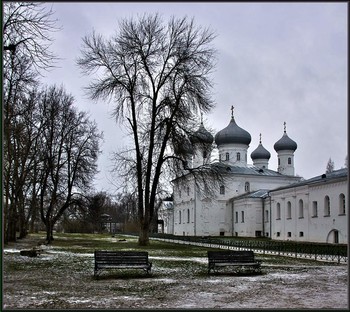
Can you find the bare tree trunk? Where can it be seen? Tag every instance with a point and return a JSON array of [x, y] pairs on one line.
[[49, 232], [12, 221], [144, 234]]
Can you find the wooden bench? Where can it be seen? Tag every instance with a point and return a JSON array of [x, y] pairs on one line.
[[217, 259], [121, 260]]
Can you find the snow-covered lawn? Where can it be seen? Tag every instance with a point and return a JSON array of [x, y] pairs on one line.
[[61, 279]]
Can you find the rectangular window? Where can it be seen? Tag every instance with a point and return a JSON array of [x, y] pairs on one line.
[[314, 209], [266, 216], [242, 216], [289, 234], [278, 234], [301, 234], [289, 210], [222, 190], [236, 216]]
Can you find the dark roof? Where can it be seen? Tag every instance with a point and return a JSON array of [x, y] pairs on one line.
[[232, 134], [249, 170], [336, 174], [256, 194], [223, 168]]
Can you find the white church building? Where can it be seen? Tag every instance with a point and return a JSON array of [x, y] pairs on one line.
[[254, 200]]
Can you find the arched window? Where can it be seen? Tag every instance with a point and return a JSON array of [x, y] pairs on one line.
[[220, 157], [238, 156], [227, 156], [247, 187], [242, 216], [179, 216], [301, 209], [278, 211], [188, 215], [289, 210], [342, 209], [279, 161], [188, 190], [205, 154], [222, 189], [327, 206], [289, 161]]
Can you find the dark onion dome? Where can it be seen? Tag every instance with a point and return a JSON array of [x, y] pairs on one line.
[[260, 153], [202, 135], [232, 134], [183, 146], [285, 143]]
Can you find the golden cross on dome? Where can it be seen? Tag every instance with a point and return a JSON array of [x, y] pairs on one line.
[[232, 111], [260, 138], [285, 126]]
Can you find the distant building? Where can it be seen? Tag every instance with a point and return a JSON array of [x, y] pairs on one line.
[[166, 217], [255, 200]]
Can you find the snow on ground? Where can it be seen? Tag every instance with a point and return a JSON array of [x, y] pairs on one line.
[[59, 279]]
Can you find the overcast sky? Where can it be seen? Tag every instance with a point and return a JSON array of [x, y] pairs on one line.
[[277, 62]]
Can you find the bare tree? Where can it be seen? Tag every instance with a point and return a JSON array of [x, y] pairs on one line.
[[26, 41], [70, 150], [158, 75], [27, 28]]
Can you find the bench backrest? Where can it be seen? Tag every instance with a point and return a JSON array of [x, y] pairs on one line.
[[121, 257], [239, 256]]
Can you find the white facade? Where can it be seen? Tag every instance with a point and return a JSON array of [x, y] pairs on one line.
[[286, 162], [198, 215], [256, 201], [315, 210]]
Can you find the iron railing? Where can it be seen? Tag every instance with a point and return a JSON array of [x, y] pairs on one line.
[[315, 251]]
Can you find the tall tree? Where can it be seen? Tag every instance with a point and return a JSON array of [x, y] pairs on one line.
[[69, 156], [158, 75], [26, 43]]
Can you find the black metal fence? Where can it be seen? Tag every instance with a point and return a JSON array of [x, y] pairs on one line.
[[316, 251]]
